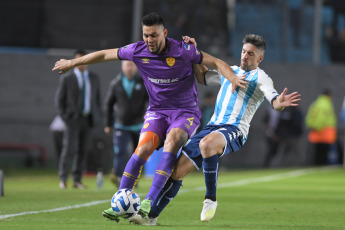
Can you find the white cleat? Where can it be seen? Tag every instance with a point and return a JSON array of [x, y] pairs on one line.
[[139, 220], [209, 210]]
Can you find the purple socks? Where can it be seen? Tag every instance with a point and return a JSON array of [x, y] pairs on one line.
[[132, 172], [163, 171]]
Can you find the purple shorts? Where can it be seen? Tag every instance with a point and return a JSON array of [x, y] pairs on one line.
[[161, 122]]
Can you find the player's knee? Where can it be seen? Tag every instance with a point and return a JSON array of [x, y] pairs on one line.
[[147, 145], [174, 141], [206, 148], [204, 145], [144, 151]]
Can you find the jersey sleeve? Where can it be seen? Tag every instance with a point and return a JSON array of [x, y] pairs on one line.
[[191, 53], [126, 52], [268, 89], [213, 78]]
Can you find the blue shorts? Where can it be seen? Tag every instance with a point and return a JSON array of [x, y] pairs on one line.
[[232, 135]]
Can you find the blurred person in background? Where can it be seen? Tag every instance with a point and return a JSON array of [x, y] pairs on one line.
[[321, 121], [79, 105], [285, 135], [296, 16], [270, 120], [336, 45], [338, 13], [57, 128], [125, 105]]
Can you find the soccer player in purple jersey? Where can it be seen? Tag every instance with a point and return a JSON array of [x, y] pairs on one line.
[[173, 115]]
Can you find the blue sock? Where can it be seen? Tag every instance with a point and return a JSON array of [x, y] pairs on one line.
[[210, 167], [166, 195]]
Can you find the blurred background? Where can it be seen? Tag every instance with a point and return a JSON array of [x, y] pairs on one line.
[[305, 53]]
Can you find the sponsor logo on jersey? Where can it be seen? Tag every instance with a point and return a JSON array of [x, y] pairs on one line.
[[186, 46], [170, 61], [145, 60], [162, 81]]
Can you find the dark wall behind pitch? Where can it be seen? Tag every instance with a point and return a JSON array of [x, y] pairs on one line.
[[87, 24], [27, 89]]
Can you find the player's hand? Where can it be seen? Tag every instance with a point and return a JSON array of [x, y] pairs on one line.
[[239, 82], [189, 40], [292, 99], [62, 66], [109, 130]]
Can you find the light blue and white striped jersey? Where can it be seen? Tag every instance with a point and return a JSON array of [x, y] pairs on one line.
[[239, 108]]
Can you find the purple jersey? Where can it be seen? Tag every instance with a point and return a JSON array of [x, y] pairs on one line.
[[168, 76]]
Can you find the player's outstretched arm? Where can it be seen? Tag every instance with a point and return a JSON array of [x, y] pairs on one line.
[[225, 70], [217, 64], [64, 65], [286, 100]]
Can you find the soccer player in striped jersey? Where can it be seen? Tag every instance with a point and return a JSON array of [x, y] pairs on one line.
[[228, 128]]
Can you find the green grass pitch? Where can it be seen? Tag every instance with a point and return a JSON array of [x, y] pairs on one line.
[[304, 198]]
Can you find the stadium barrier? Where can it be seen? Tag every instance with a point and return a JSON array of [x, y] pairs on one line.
[[27, 149]]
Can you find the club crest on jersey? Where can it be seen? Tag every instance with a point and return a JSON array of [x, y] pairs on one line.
[[170, 61], [146, 125], [145, 60]]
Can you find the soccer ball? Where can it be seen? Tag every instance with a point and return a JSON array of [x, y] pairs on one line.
[[125, 203]]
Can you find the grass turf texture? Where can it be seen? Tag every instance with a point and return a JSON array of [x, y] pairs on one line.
[[311, 200]]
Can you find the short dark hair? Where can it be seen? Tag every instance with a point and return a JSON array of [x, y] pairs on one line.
[[151, 19], [80, 52], [256, 40]]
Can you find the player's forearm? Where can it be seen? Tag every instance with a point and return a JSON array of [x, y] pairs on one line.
[[226, 71], [95, 57], [219, 65], [276, 104], [199, 72]]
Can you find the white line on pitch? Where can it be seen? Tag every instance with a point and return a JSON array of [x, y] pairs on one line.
[[291, 174], [56, 209]]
